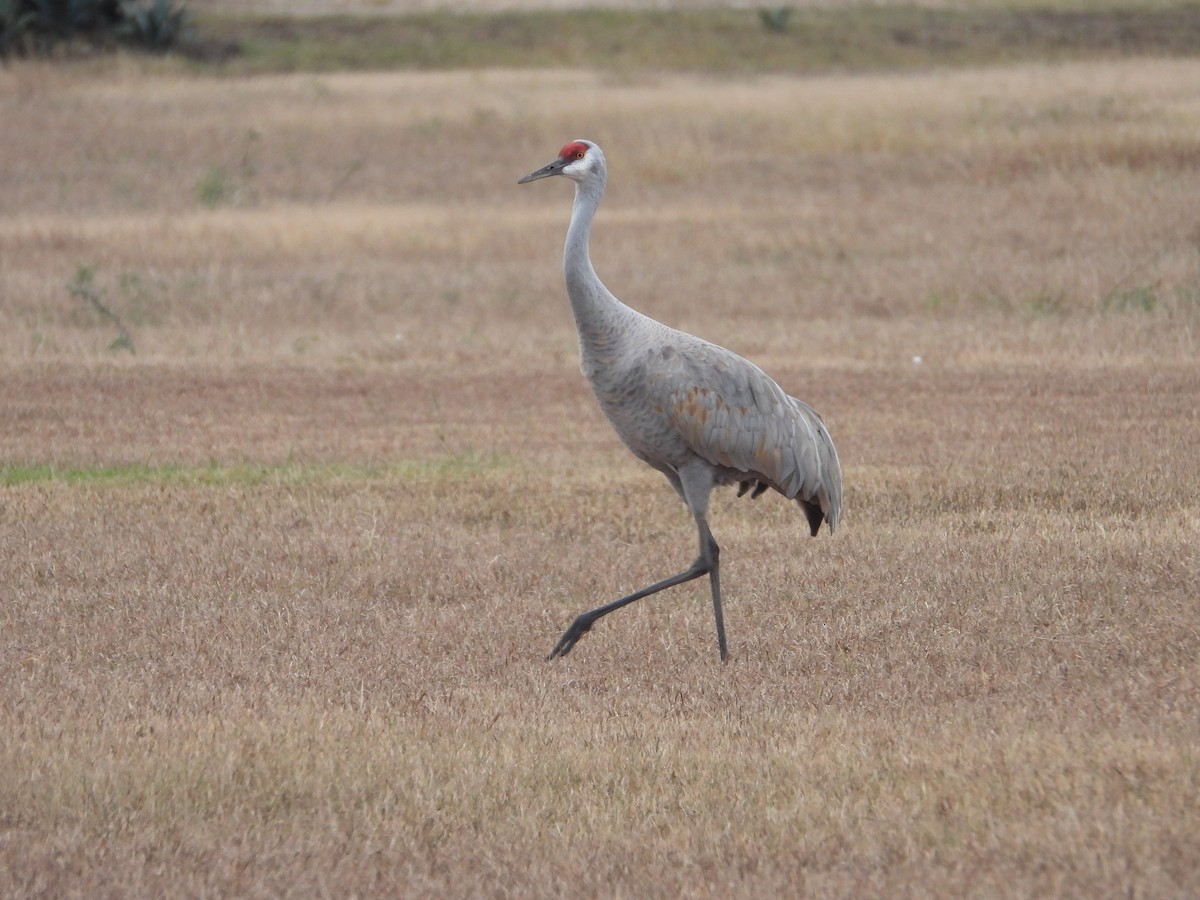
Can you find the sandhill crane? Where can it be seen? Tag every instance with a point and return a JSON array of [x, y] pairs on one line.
[[698, 413]]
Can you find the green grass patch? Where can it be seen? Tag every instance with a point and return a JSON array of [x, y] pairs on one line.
[[456, 466], [710, 40]]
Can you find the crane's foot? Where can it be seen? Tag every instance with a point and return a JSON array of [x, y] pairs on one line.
[[578, 629]]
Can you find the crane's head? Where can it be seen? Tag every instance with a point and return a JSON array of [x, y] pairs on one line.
[[577, 160]]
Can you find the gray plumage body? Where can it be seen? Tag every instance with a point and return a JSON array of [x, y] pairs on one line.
[[698, 413]]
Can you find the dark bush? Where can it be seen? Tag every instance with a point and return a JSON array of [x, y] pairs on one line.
[[40, 26], [157, 25]]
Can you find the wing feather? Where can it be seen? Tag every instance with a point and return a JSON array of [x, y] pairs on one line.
[[732, 414]]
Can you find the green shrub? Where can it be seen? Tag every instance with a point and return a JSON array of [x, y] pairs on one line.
[[157, 25], [40, 26], [775, 18], [16, 20]]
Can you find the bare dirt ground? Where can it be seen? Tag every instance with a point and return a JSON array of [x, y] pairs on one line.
[[278, 584]]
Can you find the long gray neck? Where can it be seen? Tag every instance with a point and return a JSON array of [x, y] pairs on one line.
[[598, 314]]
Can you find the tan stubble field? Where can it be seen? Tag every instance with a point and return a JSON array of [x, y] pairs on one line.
[[278, 586]]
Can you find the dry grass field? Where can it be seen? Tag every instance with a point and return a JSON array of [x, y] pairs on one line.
[[279, 571], [294, 8]]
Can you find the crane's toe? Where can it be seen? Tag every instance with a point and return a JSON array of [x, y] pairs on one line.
[[571, 636]]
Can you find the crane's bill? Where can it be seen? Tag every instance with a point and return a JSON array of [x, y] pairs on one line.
[[554, 168]]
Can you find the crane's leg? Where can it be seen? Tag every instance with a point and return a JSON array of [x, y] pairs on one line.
[[694, 487], [584, 621], [710, 550]]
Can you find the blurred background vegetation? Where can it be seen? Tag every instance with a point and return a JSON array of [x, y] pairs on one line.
[[716, 39], [48, 27]]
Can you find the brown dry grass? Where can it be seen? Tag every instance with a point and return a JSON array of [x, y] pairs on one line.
[[276, 626], [405, 7]]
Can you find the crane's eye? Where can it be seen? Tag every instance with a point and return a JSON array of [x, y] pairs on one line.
[[572, 152]]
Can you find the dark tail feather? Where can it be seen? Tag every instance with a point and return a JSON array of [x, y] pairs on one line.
[[812, 511]]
